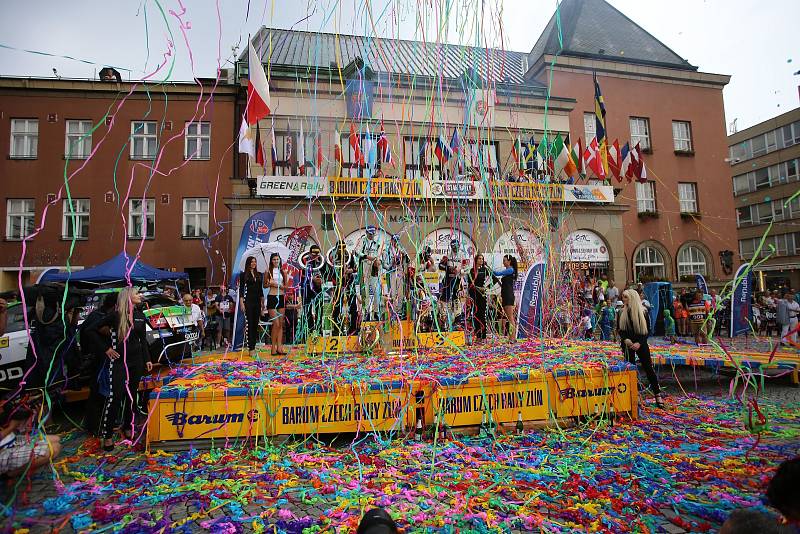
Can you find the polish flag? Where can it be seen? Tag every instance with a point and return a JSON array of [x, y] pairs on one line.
[[337, 147], [259, 105]]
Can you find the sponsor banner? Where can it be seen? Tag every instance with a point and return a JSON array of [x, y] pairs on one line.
[[589, 193], [529, 317], [581, 395], [208, 415], [504, 402], [292, 186], [584, 246], [701, 283], [453, 190], [313, 410], [374, 187], [740, 305], [254, 232], [523, 191]]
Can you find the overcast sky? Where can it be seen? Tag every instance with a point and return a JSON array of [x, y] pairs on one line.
[[755, 42]]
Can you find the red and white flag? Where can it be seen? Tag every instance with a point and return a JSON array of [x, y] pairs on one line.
[[259, 105], [337, 147], [641, 168], [592, 159]]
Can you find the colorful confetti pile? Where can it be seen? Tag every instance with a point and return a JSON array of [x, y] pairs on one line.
[[695, 459]]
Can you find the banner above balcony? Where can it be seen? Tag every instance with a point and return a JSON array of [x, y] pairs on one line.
[[392, 188]]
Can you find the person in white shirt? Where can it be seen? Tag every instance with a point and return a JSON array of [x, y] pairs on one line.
[[197, 313], [793, 311]]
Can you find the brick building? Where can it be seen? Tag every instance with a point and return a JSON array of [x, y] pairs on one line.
[[144, 164], [764, 159], [682, 220]]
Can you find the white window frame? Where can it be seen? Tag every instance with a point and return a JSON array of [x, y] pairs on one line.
[[743, 243], [195, 216], [646, 197], [682, 136], [640, 132], [750, 178], [649, 257], [747, 222], [146, 133], [77, 144], [24, 210], [691, 260], [73, 219], [589, 127], [138, 230], [687, 195], [195, 140], [28, 131]]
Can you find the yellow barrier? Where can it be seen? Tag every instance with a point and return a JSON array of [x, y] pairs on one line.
[[311, 410], [333, 345], [594, 392]]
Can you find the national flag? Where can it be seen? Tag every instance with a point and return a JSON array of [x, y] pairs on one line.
[[455, 142], [371, 149], [383, 142], [614, 160], [289, 147], [259, 105], [442, 150], [246, 140], [337, 146], [423, 158], [592, 157], [530, 155], [630, 172], [516, 153], [641, 168], [355, 144], [274, 149], [301, 150], [319, 157], [625, 162], [571, 168], [560, 158], [576, 154], [543, 155], [600, 124]]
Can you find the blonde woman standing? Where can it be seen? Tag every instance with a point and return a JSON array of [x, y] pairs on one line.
[[122, 337], [633, 326]]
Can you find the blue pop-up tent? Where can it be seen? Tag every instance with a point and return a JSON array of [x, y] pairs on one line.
[[114, 270]]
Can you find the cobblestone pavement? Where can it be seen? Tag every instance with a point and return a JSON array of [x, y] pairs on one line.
[[41, 486]]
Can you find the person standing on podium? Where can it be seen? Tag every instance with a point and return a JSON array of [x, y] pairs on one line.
[[310, 289], [368, 253]]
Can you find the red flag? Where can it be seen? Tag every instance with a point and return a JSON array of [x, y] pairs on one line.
[[614, 162], [593, 162], [259, 148], [337, 147], [641, 169], [319, 154], [356, 145], [258, 100]]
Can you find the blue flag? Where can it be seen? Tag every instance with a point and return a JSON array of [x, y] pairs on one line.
[[740, 302], [529, 318]]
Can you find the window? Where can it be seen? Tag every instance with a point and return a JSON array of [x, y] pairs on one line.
[[691, 260], [24, 138], [144, 140], [759, 146], [648, 264], [782, 244], [640, 132], [78, 143], [687, 193], [777, 210], [744, 216], [741, 152], [791, 170], [646, 197], [142, 218], [762, 213], [195, 217], [744, 183], [762, 178], [796, 242], [589, 127], [682, 135], [771, 141], [747, 248], [76, 219], [794, 208], [286, 154], [198, 140], [19, 218]]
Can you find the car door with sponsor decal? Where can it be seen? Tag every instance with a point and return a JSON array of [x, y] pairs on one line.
[[13, 346]]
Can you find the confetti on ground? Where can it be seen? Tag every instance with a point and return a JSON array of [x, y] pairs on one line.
[[695, 458]]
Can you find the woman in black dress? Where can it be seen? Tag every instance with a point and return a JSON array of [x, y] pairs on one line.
[[633, 326], [122, 336], [251, 300], [508, 276], [479, 279]]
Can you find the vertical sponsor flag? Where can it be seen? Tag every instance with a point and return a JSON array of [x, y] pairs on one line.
[[259, 105], [740, 303], [600, 125], [529, 317], [701, 283], [255, 231]]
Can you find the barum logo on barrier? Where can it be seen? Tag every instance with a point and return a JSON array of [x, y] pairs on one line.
[[182, 418]]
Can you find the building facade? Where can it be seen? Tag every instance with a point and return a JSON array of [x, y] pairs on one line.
[[680, 221], [92, 168], [476, 196], [764, 159]]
